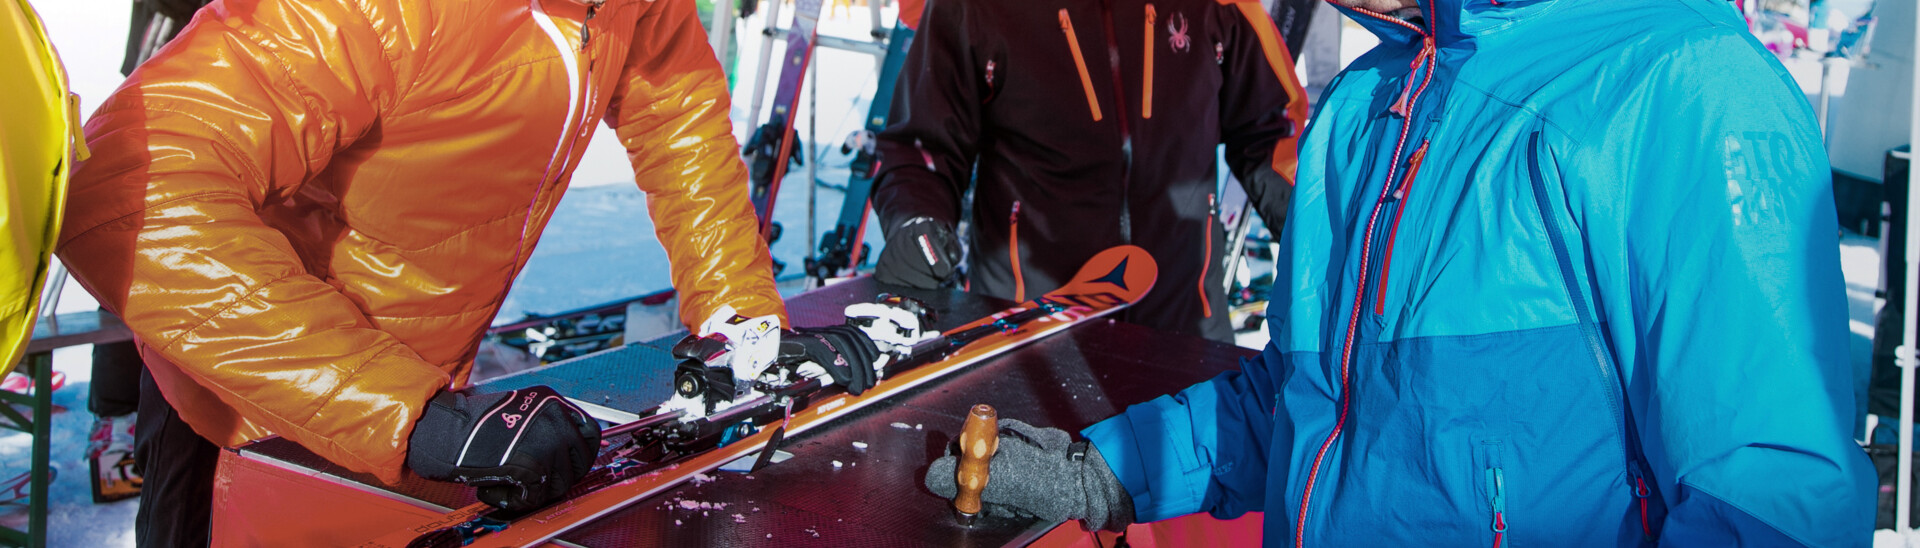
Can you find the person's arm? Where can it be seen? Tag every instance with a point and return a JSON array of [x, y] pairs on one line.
[[671, 114], [1715, 256], [162, 226], [1203, 449], [1263, 109], [926, 154]]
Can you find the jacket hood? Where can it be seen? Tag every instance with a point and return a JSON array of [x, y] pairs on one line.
[[1452, 21]]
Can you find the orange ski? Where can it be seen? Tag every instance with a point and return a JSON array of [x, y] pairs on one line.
[[1110, 281]]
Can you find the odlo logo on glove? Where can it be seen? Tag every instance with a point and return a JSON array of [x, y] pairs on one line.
[[514, 418]]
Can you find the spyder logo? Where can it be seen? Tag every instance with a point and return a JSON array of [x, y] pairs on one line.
[[1177, 33]]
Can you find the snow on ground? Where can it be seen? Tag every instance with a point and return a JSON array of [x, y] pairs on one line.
[[601, 246]]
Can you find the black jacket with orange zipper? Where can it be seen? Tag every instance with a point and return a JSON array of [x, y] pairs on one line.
[[1090, 124]]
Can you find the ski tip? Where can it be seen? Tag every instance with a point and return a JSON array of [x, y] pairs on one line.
[[1125, 271]]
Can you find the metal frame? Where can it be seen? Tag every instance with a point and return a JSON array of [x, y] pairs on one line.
[[40, 366], [773, 32], [1903, 482]]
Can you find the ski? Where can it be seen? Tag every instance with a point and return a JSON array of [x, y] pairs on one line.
[[841, 247], [665, 448], [766, 172]]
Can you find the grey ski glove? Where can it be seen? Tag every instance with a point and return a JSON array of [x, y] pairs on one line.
[[1042, 472]]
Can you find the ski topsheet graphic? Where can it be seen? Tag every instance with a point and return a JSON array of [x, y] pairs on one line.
[[793, 73], [656, 453]]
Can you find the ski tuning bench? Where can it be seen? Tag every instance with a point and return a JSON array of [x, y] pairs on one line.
[[276, 493]]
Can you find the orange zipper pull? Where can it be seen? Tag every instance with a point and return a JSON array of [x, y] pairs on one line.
[[1146, 75], [1413, 167], [1080, 62]]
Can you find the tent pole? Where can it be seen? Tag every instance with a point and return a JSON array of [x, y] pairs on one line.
[[772, 15], [1903, 505]]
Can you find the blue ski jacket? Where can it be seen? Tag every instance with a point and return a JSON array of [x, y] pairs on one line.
[[1556, 273]]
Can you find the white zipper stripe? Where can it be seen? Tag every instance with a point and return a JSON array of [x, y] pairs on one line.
[[573, 80]]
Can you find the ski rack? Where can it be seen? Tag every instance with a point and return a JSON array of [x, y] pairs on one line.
[[841, 248], [773, 32]]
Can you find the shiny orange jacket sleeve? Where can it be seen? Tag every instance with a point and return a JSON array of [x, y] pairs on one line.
[[671, 114], [163, 228]]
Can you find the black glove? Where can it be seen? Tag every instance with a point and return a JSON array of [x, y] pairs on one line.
[[763, 147], [843, 350], [920, 253], [522, 449], [1042, 472]]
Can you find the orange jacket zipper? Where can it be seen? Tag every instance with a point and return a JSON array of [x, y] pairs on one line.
[[1013, 251], [1146, 76], [1206, 250], [1080, 62]]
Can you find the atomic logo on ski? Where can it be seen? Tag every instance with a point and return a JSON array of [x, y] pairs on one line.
[[1117, 277]]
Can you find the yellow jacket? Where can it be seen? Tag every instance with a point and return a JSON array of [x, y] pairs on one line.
[[38, 143], [309, 211]]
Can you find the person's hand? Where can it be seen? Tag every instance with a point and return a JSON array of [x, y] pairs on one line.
[[920, 253], [846, 352], [523, 449], [1042, 472]]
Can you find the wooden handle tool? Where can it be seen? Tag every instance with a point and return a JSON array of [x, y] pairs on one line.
[[979, 440]]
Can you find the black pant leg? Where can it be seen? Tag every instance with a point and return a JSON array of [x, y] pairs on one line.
[[177, 467], [115, 388]]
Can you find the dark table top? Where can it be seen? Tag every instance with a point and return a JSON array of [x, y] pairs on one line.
[[875, 496], [77, 328]]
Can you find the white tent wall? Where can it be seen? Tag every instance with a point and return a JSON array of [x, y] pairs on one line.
[[1870, 111]]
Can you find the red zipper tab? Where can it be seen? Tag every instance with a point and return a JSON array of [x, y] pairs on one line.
[[1641, 493], [1413, 168]]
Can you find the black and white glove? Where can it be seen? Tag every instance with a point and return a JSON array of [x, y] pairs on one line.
[[1042, 472], [522, 449], [920, 253], [846, 352]]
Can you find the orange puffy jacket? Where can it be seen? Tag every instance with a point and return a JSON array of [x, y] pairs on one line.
[[310, 211]]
